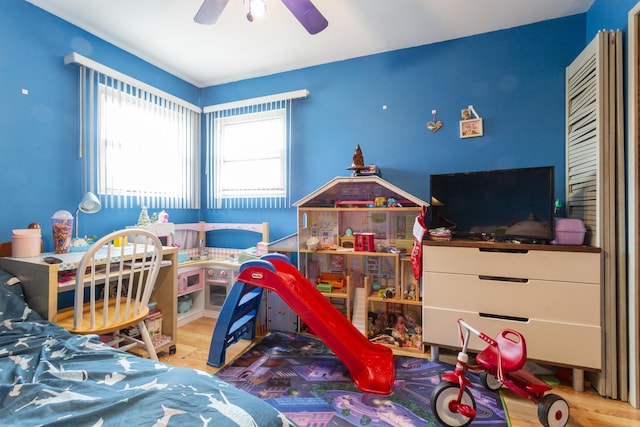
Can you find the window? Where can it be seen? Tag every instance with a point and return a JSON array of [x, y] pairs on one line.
[[249, 148], [143, 150], [250, 156], [140, 146]]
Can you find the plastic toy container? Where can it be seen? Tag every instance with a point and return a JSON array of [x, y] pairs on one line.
[[25, 242], [569, 231], [62, 227]]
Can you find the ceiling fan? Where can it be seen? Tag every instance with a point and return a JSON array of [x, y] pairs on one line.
[[304, 11]]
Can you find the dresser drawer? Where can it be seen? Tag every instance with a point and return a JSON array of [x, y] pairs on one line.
[[569, 302], [551, 296], [567, 344], [515, 263]]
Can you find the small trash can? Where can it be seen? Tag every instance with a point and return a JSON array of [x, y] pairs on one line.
[[26, 242]]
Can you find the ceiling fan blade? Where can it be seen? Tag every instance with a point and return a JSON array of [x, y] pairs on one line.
[[210, 11], [305, 12]]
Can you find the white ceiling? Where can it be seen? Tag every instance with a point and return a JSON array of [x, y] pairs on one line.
[[163, 32]]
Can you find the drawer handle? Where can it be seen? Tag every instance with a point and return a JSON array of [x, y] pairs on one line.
[[508, 251], [504, 317], [504, 279]]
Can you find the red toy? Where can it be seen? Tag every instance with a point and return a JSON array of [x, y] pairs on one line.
[[500, 363], [371, 365]]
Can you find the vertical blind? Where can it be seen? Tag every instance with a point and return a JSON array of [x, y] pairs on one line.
[[256, 192], [129, 131]]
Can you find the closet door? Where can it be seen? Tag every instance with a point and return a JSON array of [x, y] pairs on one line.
[[596, 187], [584, 139], [633, 159]]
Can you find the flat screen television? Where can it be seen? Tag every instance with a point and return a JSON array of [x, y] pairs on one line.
[[503, 204]]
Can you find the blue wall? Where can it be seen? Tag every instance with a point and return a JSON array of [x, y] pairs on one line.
[[608, 15], [39, 164], [514, 79]]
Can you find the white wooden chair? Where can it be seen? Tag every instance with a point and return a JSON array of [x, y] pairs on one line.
[[131, 269]]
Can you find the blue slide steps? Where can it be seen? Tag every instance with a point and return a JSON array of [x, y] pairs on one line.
[[237, 319]]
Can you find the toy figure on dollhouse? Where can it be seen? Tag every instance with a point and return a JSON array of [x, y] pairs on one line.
[[412, 293], [398, 329], [393, 203], [416, 339], [371, 326], [401, 332], [359, 168], [387, 293]]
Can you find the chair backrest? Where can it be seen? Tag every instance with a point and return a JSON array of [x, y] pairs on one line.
[[131, 259]]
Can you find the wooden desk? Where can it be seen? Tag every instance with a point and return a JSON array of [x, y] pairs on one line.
[[41, 285]]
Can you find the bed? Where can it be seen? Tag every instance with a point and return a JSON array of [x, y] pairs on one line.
[[51, 377]]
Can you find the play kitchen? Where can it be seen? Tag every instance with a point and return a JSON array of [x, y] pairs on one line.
[[202, 289], [206, 273]]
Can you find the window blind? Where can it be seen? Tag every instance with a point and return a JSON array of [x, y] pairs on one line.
[[140, 146], [267, 185]]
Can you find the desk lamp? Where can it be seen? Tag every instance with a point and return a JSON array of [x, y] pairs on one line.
[[89, 204]]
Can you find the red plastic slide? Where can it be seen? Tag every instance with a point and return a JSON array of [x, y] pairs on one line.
[[371, 365]]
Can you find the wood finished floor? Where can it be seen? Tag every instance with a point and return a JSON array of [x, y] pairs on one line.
[[588, 409]]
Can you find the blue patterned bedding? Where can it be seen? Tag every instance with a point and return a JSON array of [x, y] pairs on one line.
[[51, 377]]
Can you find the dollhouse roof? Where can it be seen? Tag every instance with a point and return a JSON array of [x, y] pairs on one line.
[[357, 188]]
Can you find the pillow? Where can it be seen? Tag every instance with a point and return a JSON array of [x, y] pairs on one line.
[[12, 303]]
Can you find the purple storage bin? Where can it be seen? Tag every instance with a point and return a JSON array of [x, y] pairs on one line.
[[569, 231]]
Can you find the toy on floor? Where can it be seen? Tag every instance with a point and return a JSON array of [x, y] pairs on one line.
[[500, 363], [371, 365]]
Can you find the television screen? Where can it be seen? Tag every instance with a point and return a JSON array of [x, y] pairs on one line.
[[505, 204]]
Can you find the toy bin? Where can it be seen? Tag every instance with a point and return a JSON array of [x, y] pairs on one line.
[[569, 231], [26, 242]]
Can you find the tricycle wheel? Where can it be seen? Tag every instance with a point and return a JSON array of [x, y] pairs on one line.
[[490, 381], [553, 411], [443, 405]]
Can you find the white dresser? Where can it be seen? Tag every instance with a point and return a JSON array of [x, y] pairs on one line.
[[550, 294]]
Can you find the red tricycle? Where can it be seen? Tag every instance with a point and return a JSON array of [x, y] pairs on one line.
[[500, 363]]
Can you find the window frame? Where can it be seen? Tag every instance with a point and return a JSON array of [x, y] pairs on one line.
[[253, 165]]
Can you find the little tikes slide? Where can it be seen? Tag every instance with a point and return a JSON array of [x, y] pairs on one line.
[[371, 365]]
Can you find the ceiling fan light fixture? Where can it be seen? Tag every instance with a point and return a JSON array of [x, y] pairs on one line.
[[257, 8], [304, 11], [307, 14], [210, 11]]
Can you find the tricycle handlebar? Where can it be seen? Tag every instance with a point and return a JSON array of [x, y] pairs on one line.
[[480, 335]]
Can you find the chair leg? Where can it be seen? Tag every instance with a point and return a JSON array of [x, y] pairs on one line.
[[144, 332]]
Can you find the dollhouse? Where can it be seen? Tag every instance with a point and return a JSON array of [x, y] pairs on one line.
[[360, 228]]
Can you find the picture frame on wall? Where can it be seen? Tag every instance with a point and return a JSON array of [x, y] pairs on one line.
[[471, 128]]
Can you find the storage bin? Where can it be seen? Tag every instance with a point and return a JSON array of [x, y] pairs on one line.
[[569, 231], [26, 242]]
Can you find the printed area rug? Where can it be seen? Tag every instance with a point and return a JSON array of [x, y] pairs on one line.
[[302, 378]]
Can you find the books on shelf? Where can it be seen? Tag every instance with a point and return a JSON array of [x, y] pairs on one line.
[[160, 340], [153, 321]]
